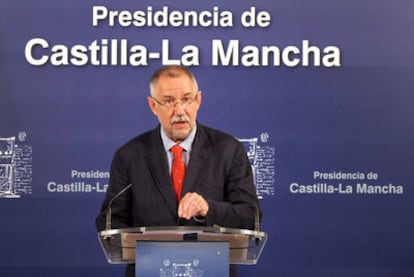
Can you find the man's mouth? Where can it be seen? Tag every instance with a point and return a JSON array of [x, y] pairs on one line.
[[179, 123]]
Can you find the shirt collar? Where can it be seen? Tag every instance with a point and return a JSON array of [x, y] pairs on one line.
[[186, 144]]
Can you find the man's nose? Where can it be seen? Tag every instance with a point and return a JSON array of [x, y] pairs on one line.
[[179, 108]]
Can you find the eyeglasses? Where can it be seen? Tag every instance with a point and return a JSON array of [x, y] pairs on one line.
[[171, 103]]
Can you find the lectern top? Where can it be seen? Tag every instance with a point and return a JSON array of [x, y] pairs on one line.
[[245, 245]]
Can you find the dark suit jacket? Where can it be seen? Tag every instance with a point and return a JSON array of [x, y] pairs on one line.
[[218, 170]]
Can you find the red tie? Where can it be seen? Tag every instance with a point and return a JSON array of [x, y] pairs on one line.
[[178, 170]]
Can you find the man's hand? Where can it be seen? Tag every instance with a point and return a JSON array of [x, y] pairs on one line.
[[192, 204]]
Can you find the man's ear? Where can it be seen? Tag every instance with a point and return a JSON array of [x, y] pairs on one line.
[[151, 104], [199, 99]]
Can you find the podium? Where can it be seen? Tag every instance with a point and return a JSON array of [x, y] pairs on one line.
[[244, 246]]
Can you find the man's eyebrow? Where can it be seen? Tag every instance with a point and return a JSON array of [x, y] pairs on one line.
[[186, 94]]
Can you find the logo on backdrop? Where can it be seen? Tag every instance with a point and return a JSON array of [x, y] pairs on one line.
[[15, 166], [262, 160]]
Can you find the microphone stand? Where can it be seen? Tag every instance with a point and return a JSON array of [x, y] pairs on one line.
[[109, 211]]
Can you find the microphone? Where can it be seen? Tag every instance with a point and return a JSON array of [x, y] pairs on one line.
[[256, 210], [109, 210], [257, 238], [256, 217], [257, 222]]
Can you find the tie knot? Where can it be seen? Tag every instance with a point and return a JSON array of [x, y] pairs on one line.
[[177, 151]]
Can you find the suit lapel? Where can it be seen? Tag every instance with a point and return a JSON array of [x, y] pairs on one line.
[[199, 151], [158, 165]]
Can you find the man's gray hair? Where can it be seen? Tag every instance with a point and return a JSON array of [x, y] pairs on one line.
[[171, 71]]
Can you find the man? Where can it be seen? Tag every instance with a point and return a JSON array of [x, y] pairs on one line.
[[217, 188]]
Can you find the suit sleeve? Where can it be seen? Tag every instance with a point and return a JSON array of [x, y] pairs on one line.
[[240, 207]]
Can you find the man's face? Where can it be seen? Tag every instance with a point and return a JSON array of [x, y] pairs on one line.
[[177, 120]]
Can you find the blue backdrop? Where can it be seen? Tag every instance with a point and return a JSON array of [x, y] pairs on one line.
[[332, 146]]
